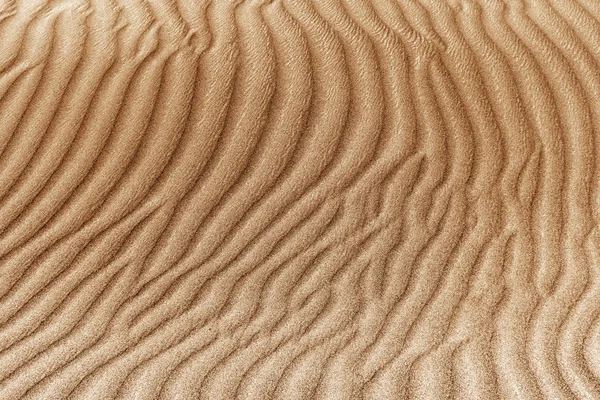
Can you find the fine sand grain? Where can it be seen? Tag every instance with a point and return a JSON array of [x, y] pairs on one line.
[[299, 199]]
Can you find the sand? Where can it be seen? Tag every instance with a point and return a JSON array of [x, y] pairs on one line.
[[299, 199]]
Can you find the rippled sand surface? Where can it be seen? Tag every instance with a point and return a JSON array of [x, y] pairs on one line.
[[299, 199]]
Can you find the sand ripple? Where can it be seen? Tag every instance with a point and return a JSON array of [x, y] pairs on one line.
[[299, 199]]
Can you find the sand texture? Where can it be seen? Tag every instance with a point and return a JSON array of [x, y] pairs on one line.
[[299, 199]]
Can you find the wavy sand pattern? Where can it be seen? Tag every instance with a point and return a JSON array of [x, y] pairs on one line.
[[299, 199]]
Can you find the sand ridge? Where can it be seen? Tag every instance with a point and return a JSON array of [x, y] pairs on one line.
[[299, 199]]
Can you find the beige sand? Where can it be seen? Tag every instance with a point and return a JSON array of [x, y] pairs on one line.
[[299, 199]]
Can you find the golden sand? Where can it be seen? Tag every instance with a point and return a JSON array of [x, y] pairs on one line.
[[299, 199]]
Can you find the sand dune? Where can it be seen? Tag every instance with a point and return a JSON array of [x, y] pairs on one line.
[[299, 199]]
